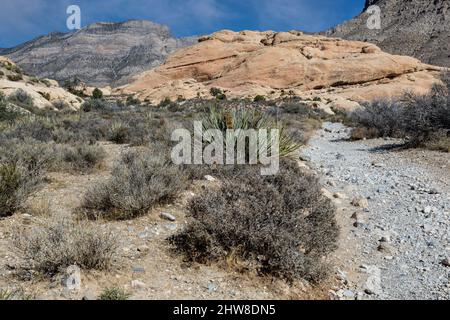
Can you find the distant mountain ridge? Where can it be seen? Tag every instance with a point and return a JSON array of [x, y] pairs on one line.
[[100, 54], [417, 28]]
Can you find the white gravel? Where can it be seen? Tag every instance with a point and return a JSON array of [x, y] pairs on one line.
[[408, 214]]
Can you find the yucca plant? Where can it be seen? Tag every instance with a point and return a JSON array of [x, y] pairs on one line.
[[247, 119]]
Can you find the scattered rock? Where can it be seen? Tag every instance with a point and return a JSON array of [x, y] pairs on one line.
[[137, 284], [360, 202], [373, 282], [210, 178], [446, 262], [168, 216], [339, 195], [212, 287], [384, 248]]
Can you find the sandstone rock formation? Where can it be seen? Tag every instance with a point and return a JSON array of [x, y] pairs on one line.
[[44, 93], [417, 28], [249, 63], [100, 54]]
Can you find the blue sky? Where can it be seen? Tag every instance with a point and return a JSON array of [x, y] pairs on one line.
[[23, 20]]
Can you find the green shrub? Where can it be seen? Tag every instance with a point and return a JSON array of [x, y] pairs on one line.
[[165, 103], [281, 225], [259, 98], [97, 94], [139, 181], [61, 242], [14, 77], [215, 91], [114, 293]]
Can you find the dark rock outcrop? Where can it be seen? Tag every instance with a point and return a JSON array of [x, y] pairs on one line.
[[418, 28], [99, 54]]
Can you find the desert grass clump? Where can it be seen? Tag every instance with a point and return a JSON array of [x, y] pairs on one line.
[[281, 225], [139, 181], [61, 242], [114, 293]]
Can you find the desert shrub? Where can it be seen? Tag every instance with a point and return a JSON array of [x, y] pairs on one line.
[[423, 121], [139, 181], [259, 98], [131, 101], [118, 132], [114, 293], [60, 104], [6, 112], [215, 91], [34, 79], [383, 117], [87, 130], [37, 129], [165, 103], [61, 242], [99, 105], [97, 94], [22, 169], [81, 157], [281, 225], [21, 98], [246, 119], [15, 77]]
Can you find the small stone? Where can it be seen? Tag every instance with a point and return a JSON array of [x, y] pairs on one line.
[[143, 249], [360, 202], [377, 164], [385, 239], [348, 294], [446, 262], [326, 193], [305, 158], [212, 287], [384, 248], [427, 210], [427, 228], [137, 284], [210, 178], [339, 195], [168, 216]]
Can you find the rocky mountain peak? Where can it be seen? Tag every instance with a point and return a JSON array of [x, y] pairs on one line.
[[418, 28], [103, 53]]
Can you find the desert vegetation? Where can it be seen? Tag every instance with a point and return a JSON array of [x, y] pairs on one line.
[[423, 121], [279, 226]]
